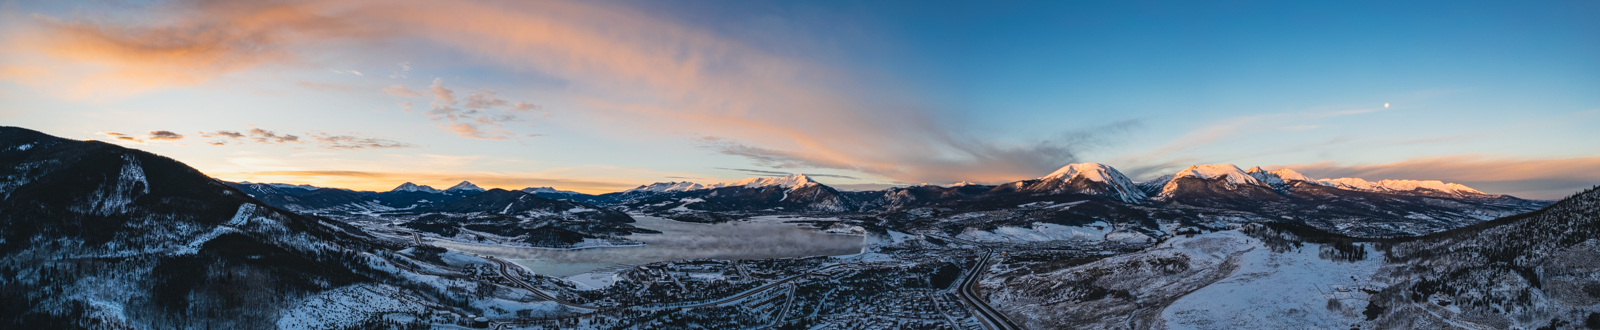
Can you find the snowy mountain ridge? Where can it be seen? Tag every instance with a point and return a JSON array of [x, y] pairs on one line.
[[792, 181], [1399, 186], [548, 190], [412, 187]]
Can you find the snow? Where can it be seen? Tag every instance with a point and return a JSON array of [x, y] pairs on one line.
[[661, 187], [1228, 172], [1277, 178], [412, 187], [343, 307], [1271, 290], [1398, 186], [548, 190], [1040, 232], [685, 206], [114, 197], [593, 280], [24, 147], [464, 186], [792, 181], [1122, 187]]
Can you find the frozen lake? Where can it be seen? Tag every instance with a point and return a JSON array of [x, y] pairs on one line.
[[759, 239]]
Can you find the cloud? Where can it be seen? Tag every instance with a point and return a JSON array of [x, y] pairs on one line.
[[120, 136], [633, 71], [165, 136], [321, 140], [780, 173], [1521, 177], [480, 117], [176, 44], [265, 136], [377, 180], [346, 142], [153, 136], [405, 68], [397, 90]]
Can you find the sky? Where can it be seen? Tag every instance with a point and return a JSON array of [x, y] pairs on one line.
[[601, 96]]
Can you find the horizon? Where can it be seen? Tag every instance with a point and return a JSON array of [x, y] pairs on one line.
[[602, 96]]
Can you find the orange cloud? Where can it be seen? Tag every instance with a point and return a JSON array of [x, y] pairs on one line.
[[383, 181], [1521, 177], [641, 74]]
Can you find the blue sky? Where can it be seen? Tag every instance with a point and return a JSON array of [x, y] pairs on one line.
[[1498, 96]]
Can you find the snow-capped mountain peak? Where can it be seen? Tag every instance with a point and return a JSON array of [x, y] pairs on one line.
[[1121, 187], [1228, 172], [1092, 171], [792, 181], [464, 186], [661, 187], [547, 190], [412, 187], [1279, 178], [1399, 186]]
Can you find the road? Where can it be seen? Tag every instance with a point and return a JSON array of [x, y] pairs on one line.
[[990, 317], [505, 271]]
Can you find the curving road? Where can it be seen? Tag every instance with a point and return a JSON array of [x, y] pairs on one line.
[[990, 317]]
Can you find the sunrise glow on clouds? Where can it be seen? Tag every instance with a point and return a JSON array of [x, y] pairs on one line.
[[605, 96]]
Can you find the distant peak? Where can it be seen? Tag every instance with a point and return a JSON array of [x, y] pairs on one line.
[[1399, 186], [791, 181], [547, 190], [671, 186], [412, 187], [464, 186]]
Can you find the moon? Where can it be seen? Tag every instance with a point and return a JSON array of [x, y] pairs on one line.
[[1386, 105]]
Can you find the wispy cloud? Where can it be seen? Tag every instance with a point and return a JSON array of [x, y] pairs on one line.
[[641, 74], [165, 136], [152, 136], [781, 173], [483, 116], [348, 142], [402, 91], [321, 140]]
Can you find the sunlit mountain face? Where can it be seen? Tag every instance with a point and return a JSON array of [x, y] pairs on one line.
[[888, 165]]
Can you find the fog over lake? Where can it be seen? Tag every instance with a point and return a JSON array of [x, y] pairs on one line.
[[679, 241]]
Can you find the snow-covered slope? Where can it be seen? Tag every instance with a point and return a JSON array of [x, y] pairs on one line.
[[1279, 179], [1093, 179], [662, 187], [1401, 186], [792, 181]]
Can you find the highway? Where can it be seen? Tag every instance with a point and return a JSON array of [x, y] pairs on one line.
[[505, 271], [990, 317]]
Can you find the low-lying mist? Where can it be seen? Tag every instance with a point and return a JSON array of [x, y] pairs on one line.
[[679, 241]]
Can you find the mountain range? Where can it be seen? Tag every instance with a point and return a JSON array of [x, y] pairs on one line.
[[94, 235]]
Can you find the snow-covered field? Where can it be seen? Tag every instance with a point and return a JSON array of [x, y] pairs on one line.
[[1272, 290]]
